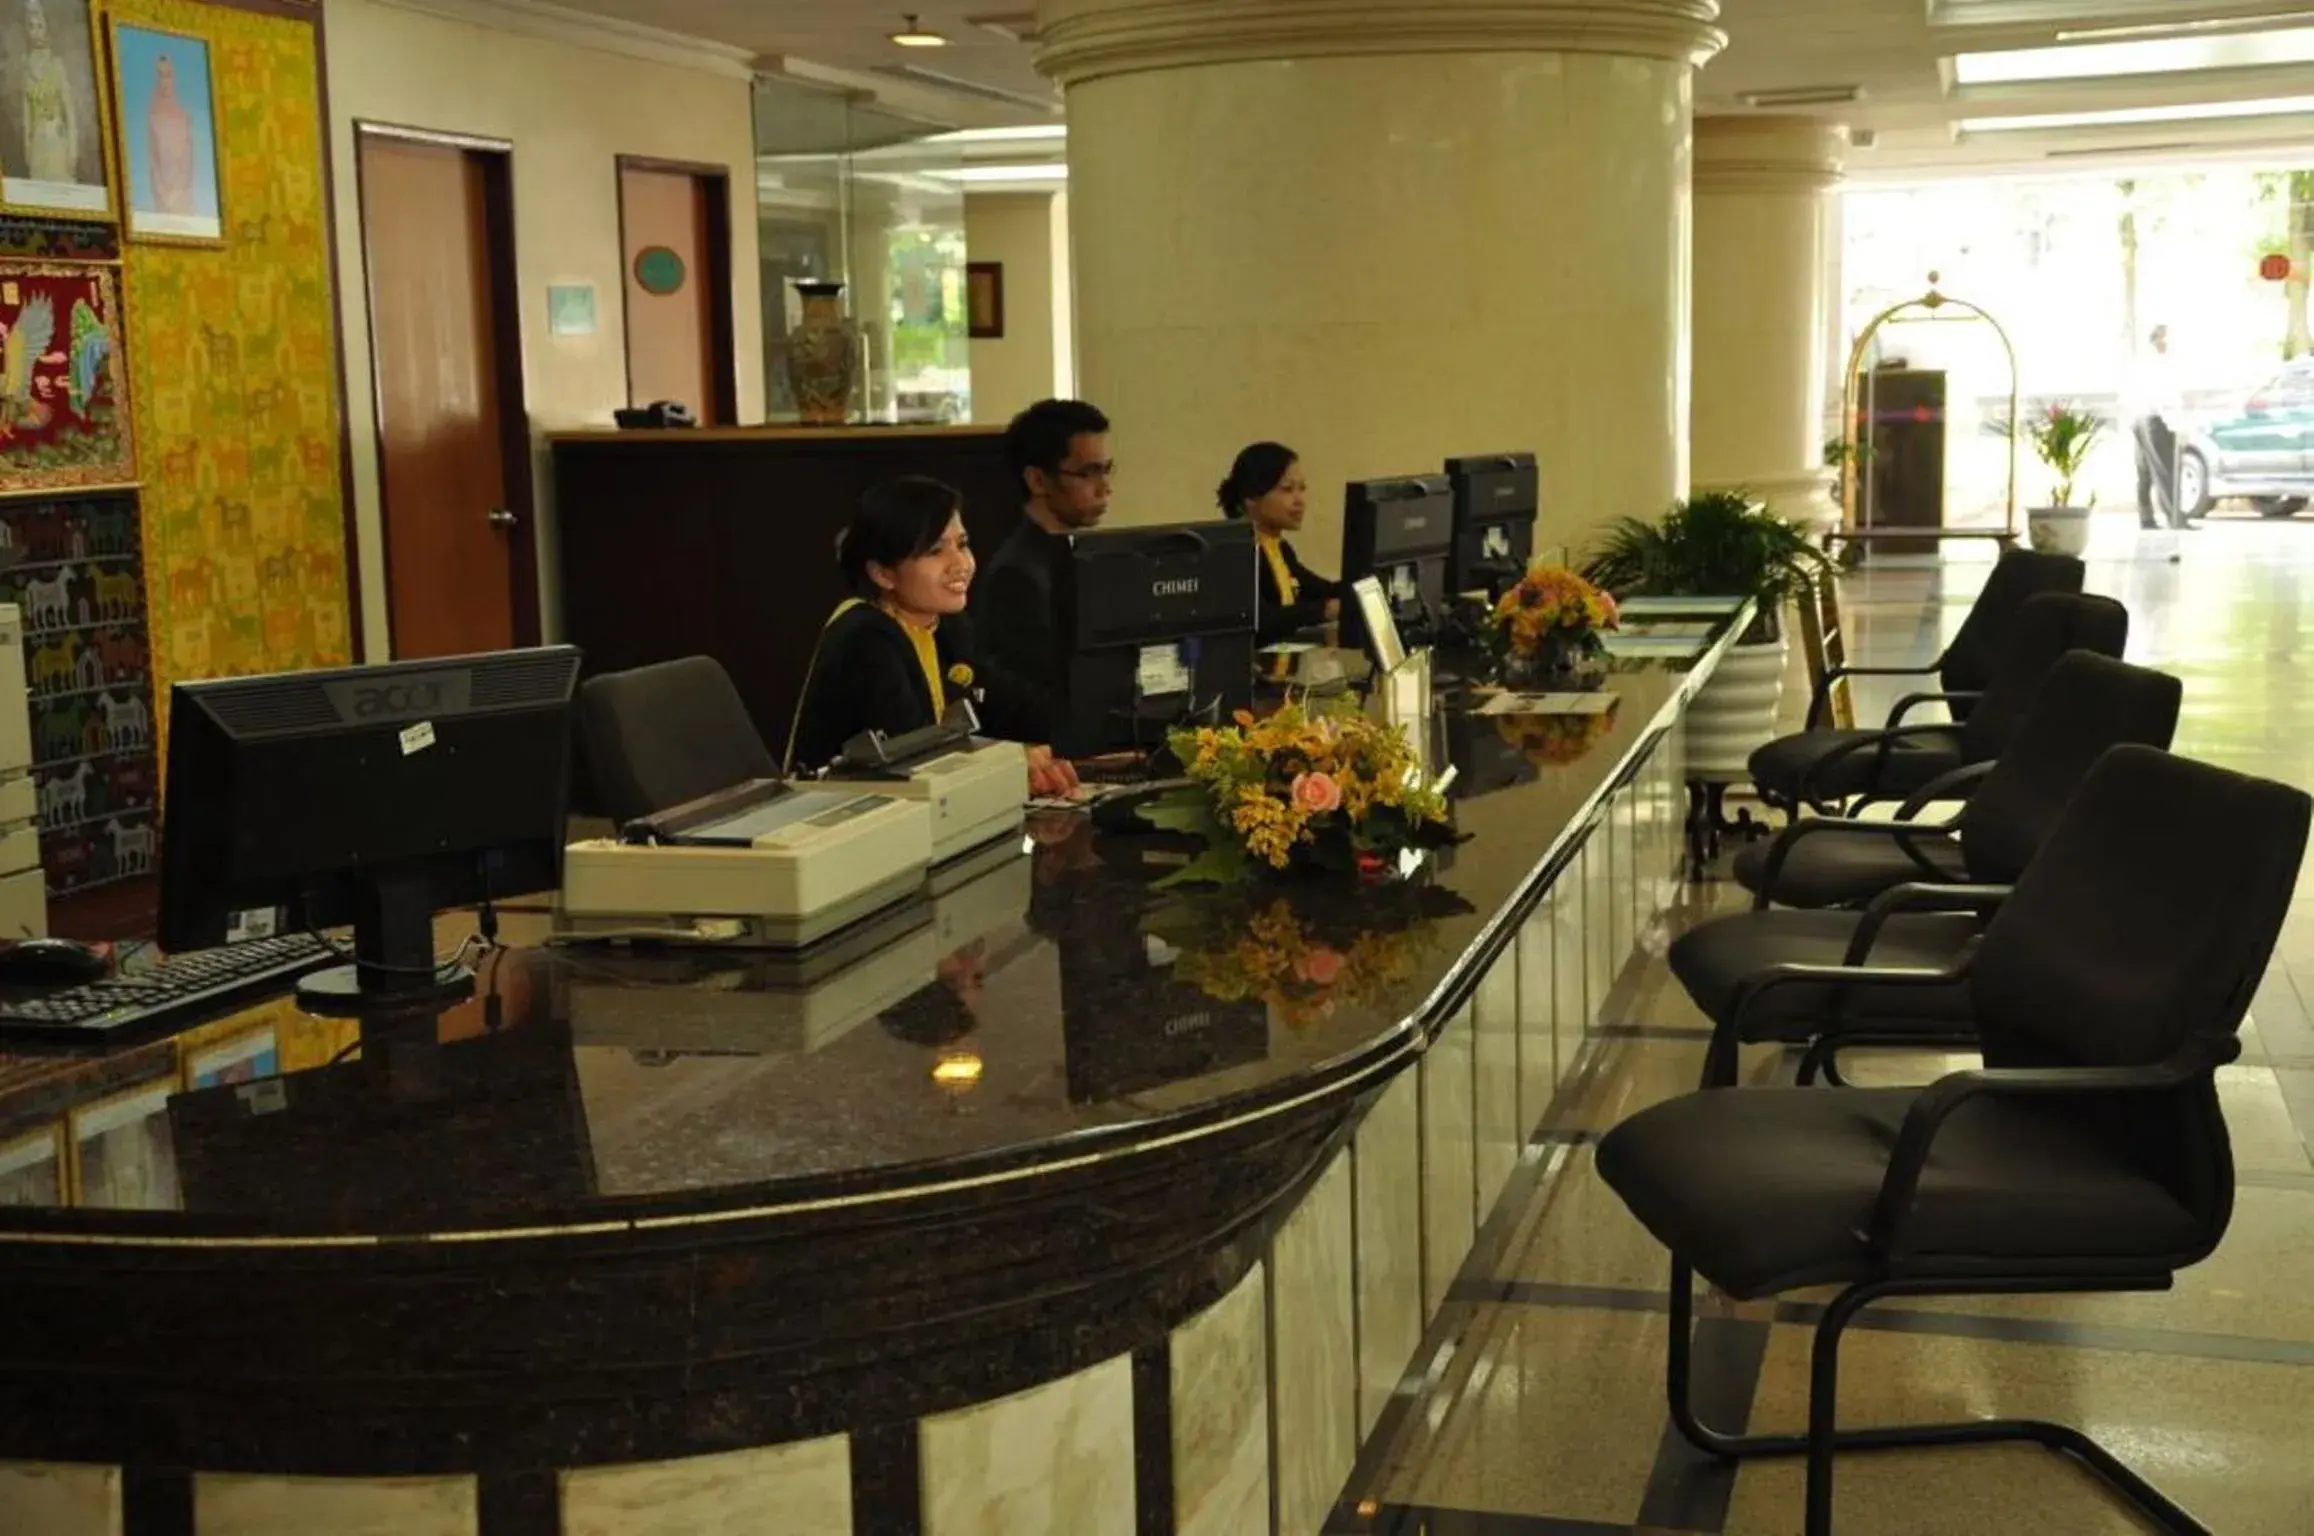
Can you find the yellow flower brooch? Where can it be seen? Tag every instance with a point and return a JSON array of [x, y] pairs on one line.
[[960, 675]]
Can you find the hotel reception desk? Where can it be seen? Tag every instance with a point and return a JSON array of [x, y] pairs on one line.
[[1054, 1202]]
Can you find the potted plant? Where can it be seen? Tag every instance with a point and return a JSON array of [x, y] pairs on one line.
[[2061, 438], [1721, 544]]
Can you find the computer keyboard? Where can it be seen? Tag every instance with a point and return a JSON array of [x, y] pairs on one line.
[[152, 999]]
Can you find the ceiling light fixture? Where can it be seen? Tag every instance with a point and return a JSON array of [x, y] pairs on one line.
[[2180, 28], [1024, 133], [2191, 112], [1804, 96], [914, 36], [2143, 56]]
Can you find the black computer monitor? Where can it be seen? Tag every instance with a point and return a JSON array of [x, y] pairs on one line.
[[1157, 625], [369, 797], [1400, 532], [1496, 496]]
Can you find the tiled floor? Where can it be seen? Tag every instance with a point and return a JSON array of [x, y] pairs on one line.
[[1542, 1412]]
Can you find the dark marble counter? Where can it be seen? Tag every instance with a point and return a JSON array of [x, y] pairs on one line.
[[1038, 1117]]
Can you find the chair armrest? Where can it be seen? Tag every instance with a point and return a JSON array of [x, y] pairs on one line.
[[1919, 897], [1913, 701], [1877, 743], [1719, 1061], [1821, 699], [1780, 851], [1959, 784], [1900, 1186]]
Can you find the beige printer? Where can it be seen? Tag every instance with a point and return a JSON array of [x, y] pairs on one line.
[[976, 790], [766, 864], [690, 1001]]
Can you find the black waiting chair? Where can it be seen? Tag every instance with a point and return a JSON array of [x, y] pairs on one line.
[[2088, 1155], [1822, 768], [1927, 917], [2084, 705], [1968, 663], [664, 735]]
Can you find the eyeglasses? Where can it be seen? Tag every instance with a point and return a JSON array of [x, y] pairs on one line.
[[1107, 471]]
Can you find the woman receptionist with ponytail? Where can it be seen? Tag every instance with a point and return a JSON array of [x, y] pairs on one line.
[[897, 655], [1265, 486]]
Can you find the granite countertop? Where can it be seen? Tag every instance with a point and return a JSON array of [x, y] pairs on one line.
[[1053, 1007]]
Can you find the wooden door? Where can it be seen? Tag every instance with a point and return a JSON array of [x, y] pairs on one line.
[[674, 239], [453, 465]]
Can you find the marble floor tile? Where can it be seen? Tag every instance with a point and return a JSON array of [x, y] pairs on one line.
[[2226, 1439], [1547, 1411], [1576, 1232]]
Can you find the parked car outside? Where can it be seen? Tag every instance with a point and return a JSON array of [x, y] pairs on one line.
[[2263, 450]]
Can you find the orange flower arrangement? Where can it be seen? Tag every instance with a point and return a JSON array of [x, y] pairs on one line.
[[1547, 626]]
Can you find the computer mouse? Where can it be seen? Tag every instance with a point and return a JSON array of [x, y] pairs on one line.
[[50, 962]]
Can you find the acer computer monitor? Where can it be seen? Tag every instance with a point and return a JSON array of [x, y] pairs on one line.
[[1496, 497], [1401, 533], [1158, 629], [369, 798]]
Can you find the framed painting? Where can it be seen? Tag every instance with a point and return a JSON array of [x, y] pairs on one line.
[[52, 131], [64, 412], [163, 99], [984, 300], [242, 1059]]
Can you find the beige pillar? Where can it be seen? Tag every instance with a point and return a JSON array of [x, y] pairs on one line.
[[1764, 306], [1385, 235]]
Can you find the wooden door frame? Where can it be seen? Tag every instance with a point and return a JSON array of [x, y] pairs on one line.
[[497, 159], [722, 339]]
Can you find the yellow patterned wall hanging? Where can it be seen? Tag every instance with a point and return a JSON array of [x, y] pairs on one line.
[[233, 358]]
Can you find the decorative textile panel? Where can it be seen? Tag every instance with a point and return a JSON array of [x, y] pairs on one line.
[[234, 370]]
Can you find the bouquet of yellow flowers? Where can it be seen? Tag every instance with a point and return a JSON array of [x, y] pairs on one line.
[[1547, 626], [1325, 787]]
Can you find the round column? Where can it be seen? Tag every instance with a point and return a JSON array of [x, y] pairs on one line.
[[1764, 227], [1386, 236]]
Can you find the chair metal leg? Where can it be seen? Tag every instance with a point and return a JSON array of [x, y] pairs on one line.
[[1824, 1439]]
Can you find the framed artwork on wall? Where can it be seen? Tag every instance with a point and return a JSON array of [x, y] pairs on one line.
[[984, 300], [164, 98], [64, 412], [52, 130]]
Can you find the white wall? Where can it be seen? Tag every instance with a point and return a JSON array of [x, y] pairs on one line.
[[569, 105], [1028, 233]]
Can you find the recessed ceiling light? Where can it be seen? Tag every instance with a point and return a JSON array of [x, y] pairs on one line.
[[967, 174], [2200, 111], [1804, 96], [2141, 56], [914, 36]]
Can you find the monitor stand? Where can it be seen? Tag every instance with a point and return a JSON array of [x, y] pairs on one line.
[[394, 969]]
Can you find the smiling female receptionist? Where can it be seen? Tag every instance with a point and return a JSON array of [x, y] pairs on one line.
[[1266, 487], [897, 656]]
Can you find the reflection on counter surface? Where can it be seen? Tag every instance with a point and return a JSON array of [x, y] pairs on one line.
[[1058, 1137]]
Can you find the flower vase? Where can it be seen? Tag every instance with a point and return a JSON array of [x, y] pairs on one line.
[[1567, 661], [822, 356]]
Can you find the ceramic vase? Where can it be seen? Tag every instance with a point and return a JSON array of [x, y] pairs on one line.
[[1737, 712], [2058, 530], [823, 356]]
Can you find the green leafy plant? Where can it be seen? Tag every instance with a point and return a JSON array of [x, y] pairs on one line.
[[1719, 544], [2061, 438]]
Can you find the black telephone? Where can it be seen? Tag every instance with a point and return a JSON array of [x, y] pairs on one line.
[[659, 413]]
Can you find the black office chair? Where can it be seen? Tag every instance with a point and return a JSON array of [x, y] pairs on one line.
[[1968, 663], [663, 735], [1823, 768], [2084, 705], [2090, 1154]]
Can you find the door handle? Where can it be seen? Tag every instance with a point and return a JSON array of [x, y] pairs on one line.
[[501, 518]]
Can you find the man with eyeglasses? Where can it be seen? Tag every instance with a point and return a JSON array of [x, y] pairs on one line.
[[1059, 454]]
